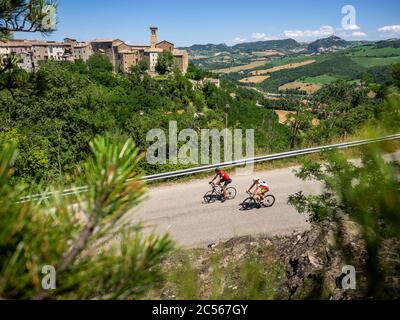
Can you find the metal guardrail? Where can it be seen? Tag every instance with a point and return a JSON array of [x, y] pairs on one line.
[[243, 162]]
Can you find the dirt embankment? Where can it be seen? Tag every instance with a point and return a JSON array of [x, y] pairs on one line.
[[301, 266]]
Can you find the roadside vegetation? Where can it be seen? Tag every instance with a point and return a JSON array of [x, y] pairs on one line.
[[80, 124], [355, 221], [52, 115]]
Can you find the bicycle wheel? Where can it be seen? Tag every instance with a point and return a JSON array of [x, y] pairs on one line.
[[249, 204], [269, 201], [209, 197], [231, 193]]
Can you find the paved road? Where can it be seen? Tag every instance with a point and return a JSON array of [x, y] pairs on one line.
[[278, 95], [179, 210]]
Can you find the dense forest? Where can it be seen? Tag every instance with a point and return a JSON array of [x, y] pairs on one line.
[[54, 113]]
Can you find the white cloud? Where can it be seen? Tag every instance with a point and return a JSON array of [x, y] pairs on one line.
[[390, 29], [323, 31], [358, 34], [352, 27], [261, 36], [239, 40]]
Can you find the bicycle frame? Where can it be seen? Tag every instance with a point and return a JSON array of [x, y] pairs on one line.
[[217, 189]]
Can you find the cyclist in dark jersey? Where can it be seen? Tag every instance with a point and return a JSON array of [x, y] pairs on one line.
[[224, 180]]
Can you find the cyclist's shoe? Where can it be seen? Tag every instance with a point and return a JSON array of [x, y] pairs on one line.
[[223, 200]]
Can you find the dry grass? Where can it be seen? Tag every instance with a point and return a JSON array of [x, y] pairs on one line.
[[284, 67], [310, 88], [254, 79], [268, 53], [198, 57], [249, 66], [283, 115]]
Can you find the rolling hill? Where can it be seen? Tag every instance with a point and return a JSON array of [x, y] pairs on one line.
[[279, 45], [284, 45], [271, 65], [332, 43]]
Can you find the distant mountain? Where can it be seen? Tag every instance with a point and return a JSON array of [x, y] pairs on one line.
[[284, 45], [360, 42], [328, 44], [208, 47], [392, 43], [248, 47]]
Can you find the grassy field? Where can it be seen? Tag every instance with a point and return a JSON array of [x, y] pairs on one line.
[[369, 62], [249, 66], [286, 60], [370, 56], [323, 79], [293, 65], [370, 51], [267, 53]]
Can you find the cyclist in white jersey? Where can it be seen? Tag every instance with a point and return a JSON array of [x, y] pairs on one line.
[[262, 188]]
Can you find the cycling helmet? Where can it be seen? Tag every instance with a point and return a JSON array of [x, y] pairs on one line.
[[218, 169], [256, 179]]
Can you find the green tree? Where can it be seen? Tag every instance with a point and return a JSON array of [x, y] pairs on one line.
[[298, 121], [165, 62], [143, 65], [25, 16], [99, 63], [96, 253], [395, 70], [196, 73], [369, 195]]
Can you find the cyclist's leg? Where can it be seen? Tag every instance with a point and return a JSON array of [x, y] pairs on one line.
[[224, 190], [227, 183], [221, 187], [263, 194], [259, 195]]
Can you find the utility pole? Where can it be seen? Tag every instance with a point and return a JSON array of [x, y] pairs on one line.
[[227, 106]]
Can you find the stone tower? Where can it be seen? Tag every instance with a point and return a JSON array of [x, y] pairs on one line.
[[153, 37]]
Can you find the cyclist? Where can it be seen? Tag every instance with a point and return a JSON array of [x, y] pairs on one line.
[[224, 180], [262, 188]]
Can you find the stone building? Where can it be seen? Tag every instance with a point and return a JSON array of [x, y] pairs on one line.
[[108, 47], [156, 48], [82, 51], [166, 46], [121, 55]]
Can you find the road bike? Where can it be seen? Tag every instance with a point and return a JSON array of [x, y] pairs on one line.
[[217, 193], [252, 203]]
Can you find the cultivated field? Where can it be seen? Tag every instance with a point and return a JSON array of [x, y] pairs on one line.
[[198, 57], [268, 53], [310, 88], [245, 67], [323, 79], [254, 79], [371, 51], [369, 62], [283, 67]]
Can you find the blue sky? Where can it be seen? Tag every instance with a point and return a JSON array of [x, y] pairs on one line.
[[186, 22]]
